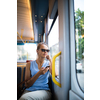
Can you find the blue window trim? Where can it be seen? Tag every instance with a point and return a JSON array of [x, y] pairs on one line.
[[20, 44], [25, 43]]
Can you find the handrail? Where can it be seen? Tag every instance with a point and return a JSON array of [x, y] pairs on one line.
[[53, 69], [20, 37]]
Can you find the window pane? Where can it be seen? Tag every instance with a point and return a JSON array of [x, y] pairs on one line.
[[49, 23], [79, 33], [26, 52], [54, 43]]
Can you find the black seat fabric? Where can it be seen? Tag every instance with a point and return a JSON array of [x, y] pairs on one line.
[[51, 85], [24, 74], [19, 70]]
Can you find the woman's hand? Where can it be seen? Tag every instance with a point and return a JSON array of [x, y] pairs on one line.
[[43, 70], [48, 57]]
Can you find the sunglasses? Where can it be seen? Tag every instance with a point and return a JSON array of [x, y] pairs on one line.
[[43, 50]]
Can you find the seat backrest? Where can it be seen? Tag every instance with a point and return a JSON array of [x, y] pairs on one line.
[[24, 75], [19, 70], [51, 84]]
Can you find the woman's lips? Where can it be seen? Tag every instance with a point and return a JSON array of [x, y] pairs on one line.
[[44, 54]]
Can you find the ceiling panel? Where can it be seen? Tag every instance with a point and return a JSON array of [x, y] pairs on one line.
[[24, 19], [40, 8]]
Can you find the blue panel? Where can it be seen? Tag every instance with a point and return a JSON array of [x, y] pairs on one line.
[[20, 43]]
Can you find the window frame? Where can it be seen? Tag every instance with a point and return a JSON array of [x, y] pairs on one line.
[[76, 55], [75, 87]]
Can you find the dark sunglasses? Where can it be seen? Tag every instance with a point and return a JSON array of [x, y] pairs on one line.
[[43, 50]]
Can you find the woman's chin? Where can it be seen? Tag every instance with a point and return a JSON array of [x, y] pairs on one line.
[[44, 57]]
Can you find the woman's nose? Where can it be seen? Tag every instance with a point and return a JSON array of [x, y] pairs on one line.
[[45, 51]]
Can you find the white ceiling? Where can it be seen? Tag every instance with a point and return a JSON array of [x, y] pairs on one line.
[[24, 20]]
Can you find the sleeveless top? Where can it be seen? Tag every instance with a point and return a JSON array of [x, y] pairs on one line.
[[42, 82]]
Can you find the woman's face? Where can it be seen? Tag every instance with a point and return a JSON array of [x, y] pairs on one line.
[[42, 52]]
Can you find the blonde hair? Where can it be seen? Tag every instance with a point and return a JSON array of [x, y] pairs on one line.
[[41, 43]]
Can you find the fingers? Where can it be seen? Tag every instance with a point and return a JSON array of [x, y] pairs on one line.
[[47, 68], [43, 70], [48, 57]]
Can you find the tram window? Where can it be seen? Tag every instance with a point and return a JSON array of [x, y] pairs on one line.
[[49, 23], [44, 37], [53, 42], [26, 52], [79, 34]]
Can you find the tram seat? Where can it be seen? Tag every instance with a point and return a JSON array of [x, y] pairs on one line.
[[51, 85], [24, 73], [19, 70], [19, 73]]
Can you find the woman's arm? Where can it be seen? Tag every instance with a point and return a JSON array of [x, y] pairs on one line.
[[31, 81]]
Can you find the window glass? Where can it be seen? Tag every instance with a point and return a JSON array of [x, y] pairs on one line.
[[79, 34], [49, 23], [26, 52], [44, 37], [53, 42]]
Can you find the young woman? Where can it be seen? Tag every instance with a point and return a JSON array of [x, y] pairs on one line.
[[37, 86]]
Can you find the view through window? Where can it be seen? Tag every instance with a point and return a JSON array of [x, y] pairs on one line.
[[79, 33], [26, 52]]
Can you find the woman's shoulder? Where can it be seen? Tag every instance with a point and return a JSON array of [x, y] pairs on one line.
[[29, 63]]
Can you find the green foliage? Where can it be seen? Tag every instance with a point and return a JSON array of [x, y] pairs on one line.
[[22, 54], [79, 21], [79, 25], [24, 57]]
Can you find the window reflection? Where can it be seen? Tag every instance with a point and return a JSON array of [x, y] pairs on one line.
[[53, 51], [79, 34]]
